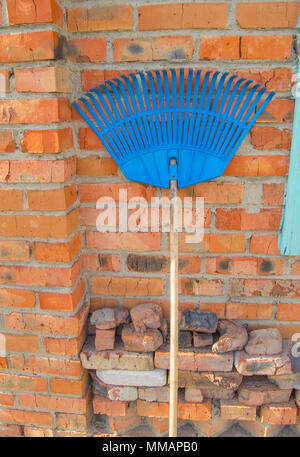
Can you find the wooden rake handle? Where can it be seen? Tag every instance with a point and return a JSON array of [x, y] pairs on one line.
[[173, 314]]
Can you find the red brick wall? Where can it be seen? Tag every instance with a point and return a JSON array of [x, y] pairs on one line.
[[52, 170]]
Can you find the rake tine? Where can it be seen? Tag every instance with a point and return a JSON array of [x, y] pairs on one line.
[[148, 105], [188, 104], [155, 106], [161, 106], [181, 106], [193, 110], [168, 105]]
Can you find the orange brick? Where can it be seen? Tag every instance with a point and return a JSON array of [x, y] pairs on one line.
[[21, 343], [264, 244], [127, 286], [46, 365], [215, 242], [14, 250], [27, 12], [266, 47], [160, 425], [37, 432], [270, 138], [11, 200], [192, 286], [52, 200], [44, 323], [101, 262], [62, 302], [47, 141], [25, 47], [251, 311], [55, 403], [288, 312], [6, 400], [72, 421], [233, 410], [94, 18], [224, 48], [121, 423], [91, 78], [254, 15], [69, 386], [154, 48], [49, 79], [280, 110], [287, 331], [186, 411], [236, 219], [10, 430], [57, 252], [39, 226], [278, 79], [34, 110], [123, 241], [214, 192], [244, 266], [7, 143], [295, 268], [102, 405], [4, 81], [89, 193], [273, 194], [65, 346], [87, 50], [25, 417], [43, 171], [97, 166], [17, 298], [183, 16], [279, 414], [20, 382], [87, 138], [3, 363], [276, 165]]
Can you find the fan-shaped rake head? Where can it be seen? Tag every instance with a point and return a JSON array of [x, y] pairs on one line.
[[197, 117]]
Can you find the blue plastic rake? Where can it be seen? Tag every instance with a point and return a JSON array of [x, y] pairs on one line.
[[144, 120], [173, 127]]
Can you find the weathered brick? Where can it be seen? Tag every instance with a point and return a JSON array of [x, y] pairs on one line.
[[264, 244], [276, 165], [148, 341], [233, 410], [213, 427], [52, 200], [191, 286], [57, 252], [270, 138], [257, 428], [253, 15], [87, 50], [25, 417], [17, 298], [244, 265], [4, 82], [92, 19], [127, 286], [28, 111], [7, 143], [186, 411], [265, 287], [121, 423], [257, 391], [38, 432], [122, 393], [103, 405], [47, 365], [27, 12], [105, 339], [148, 378], [153, 48], [279, 414], [94, 165], [18, 382], [69, 386], [48, 79], [25, 47], [14, 250], [273, 194]]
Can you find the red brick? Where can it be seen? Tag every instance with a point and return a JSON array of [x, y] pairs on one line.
[[278, 79], [219, 47], [62, 301], [69, 386], [21, 343], [7, 143], [154, 48], [4, 81], [72, 421], [91, 78], [47, 141], [236, 219], [26, 47], [33, 171], [214, 192], [105, 339], [3, 363], [101, 262], [28, 12], [39, 226], [49, 79], [266, 47], [281, 110], [279, 414], [55, 403], [276, 165], [46, 365], [270, 138], [87, 138], [233, 410], [250, 311], [215, 242], [123, 241], [288, 312], [115, 285], [10, 430], [6, 400], [191, 286], [264, 244], [265, 287], [103, 405], [273, 194], [94, 165], [57, 252], [186, 411], [94, 18], [45, 323], [65, 346], [244, 266], [121, 423], [262, 15], [34, 110], [20, 382], [183, 16], [87, 50], [25, 417], [14, 250], [52, 200], [38, 432], [160, 425], [295, 267], [17, 298], [89, 193], [11, 200]]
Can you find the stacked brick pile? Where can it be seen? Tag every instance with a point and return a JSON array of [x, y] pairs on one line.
[[225, 373]]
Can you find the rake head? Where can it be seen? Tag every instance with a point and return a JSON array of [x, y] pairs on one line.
[[197, 117]]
